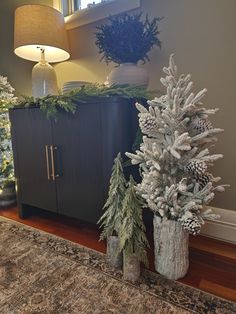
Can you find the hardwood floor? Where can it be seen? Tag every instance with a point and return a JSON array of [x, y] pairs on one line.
[[212, 262]]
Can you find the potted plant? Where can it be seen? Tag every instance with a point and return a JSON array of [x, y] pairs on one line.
[[111, 219], [7, 186], [132, 237], [126, 40], [174, 161]]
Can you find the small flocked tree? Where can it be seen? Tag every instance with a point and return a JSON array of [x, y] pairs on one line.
[[174, 156], [7, 100], [111, 219], [132, 235]]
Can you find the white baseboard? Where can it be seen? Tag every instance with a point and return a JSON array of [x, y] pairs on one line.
[[223, 229]]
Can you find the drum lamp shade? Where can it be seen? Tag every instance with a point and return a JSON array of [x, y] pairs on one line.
[[40, 26]]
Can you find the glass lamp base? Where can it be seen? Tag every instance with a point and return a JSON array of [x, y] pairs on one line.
[[44, 80]]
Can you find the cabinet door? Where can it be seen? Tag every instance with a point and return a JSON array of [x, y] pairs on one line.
[[31, 132], [78, 155]]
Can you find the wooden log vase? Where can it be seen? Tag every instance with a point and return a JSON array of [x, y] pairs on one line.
[[171, 248], [131, 267], [113, 257]]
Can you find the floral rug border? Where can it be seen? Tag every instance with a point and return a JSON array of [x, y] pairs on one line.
[[178, 294]]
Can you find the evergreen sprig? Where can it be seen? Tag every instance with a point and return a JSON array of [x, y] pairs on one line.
[[132, 237], [126, 38], [111, 219], [50, 104], [68, 102]]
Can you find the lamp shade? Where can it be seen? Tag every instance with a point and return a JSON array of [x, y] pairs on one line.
[[40, 26]]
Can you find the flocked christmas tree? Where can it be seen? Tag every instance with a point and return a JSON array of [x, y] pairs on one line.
[[132, 235], [111, 219], [174, 156], [7, 100]]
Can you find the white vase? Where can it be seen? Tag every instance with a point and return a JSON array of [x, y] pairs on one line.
[[128, 73], [170, 248]]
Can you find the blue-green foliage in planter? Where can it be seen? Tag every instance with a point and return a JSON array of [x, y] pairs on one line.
[[127, 38]]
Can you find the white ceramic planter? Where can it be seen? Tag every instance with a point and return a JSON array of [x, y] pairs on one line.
[[128, 73], [170, 248]]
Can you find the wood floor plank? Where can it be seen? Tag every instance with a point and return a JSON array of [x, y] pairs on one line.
[[213, 246], [221, 291]]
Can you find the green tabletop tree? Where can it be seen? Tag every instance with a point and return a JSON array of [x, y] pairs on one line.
[[132, 234], [132, 237], [111, 219]]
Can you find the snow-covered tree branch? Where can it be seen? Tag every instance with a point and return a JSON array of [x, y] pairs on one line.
[[174, 156]]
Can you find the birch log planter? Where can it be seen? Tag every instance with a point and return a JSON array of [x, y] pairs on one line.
[[113, 257], [131, 267], [170, 248]]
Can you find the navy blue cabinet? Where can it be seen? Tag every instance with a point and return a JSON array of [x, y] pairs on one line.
[[64, 165]]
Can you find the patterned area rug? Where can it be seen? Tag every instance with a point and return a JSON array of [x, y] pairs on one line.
[[41, 273]]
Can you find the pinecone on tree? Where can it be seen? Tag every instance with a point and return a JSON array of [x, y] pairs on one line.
[[192, 225], [148, 124], [204, 179], [196, 167], [201, 125]]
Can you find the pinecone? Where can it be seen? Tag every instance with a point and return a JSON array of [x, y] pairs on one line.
[[148, 124], [192, 225], [201, 125], [196, 167], [204, 179]]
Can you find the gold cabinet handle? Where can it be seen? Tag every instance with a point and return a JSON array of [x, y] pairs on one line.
[[53, 175], [47, 162]]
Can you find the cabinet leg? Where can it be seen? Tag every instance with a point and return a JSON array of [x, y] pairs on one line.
[[23, 212]]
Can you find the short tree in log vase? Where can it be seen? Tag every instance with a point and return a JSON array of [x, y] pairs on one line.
[[111, 219], [132, 237], [174, 160]]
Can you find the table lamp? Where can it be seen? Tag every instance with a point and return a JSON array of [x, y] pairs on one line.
[[40, 35]]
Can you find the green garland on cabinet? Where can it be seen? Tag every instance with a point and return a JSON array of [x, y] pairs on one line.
[[51, 103]]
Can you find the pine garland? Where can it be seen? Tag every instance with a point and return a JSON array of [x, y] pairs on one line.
[[111, 219], [132, 237], [68, 102], [50, 104]]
